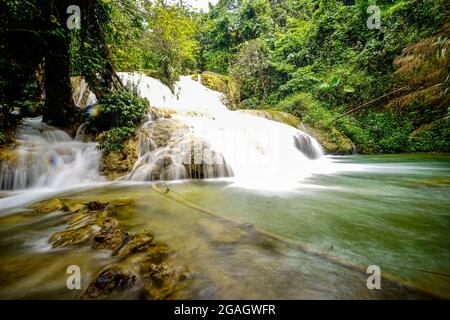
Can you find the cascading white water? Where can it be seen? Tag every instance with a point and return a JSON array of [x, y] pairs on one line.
[[202, 139], [48, 157], [257, 152]]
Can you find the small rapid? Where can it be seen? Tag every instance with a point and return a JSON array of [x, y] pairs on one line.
[[47, 157]]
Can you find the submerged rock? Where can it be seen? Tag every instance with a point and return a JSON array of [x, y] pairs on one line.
[[140, 261], [161, 281], [48, 206], [96, 205], [72, 237], [331, 140], [136, 243], [109, 280], [111, 236], [219, 232]]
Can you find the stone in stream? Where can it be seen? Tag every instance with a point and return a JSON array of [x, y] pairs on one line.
[[112, 235], [49, 206], [162, 281], [142, 262], [109, 280], [137, 243]]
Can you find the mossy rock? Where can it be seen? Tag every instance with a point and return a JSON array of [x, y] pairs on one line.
[[115, 164], [113, 278], [8, 154], [48, 206], [136, 243], [72, 237], [221, 83], [162, 281], [274, 115], [331, 140], [112, 235], [140, 261], [220, 232]]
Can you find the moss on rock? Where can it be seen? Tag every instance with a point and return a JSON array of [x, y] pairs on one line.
[[115, 164], [221, 83], [331, 140], [274, 115], [113, 278], [48, 206]]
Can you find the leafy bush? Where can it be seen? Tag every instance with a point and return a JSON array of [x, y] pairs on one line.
[[112, 139], [120, 113], [123, 109]]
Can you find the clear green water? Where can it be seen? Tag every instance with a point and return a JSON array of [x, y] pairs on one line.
[[390, 211]]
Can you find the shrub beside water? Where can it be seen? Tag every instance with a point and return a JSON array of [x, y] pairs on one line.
[[120, 113]]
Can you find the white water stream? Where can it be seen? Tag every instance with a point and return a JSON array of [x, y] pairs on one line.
[[248, 150]]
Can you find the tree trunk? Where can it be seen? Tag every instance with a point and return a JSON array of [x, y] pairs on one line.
[[59, 109]]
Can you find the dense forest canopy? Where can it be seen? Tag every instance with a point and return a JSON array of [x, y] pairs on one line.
[[315, 59]]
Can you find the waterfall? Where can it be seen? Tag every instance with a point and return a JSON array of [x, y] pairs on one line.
[[48, 157], [255, 151], [188, 133]]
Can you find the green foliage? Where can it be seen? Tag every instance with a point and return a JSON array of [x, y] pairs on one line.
[[311, 111], [250, 70], [121, 112], [170, 46], [123, 109], [112, 139], [318, 59]]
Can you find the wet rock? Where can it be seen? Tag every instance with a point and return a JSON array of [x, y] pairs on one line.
[[162, 132], [96, 205], [202, 161], [331, 140], [115, 164], [220, 232], [111, 236], [221, 83], [274, 115], [136, 243], [73, 205], [72, 237], [87, 226], [156, 253], [109, 280], [161, 281], [141, 261], [8, 154], [49, 206]]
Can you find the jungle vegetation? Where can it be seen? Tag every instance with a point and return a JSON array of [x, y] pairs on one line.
[[385, 87]]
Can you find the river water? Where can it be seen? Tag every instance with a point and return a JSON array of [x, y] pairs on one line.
[[288, 223], [243, 243]]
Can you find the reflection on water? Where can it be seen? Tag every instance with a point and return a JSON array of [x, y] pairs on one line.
[[392, 213]]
